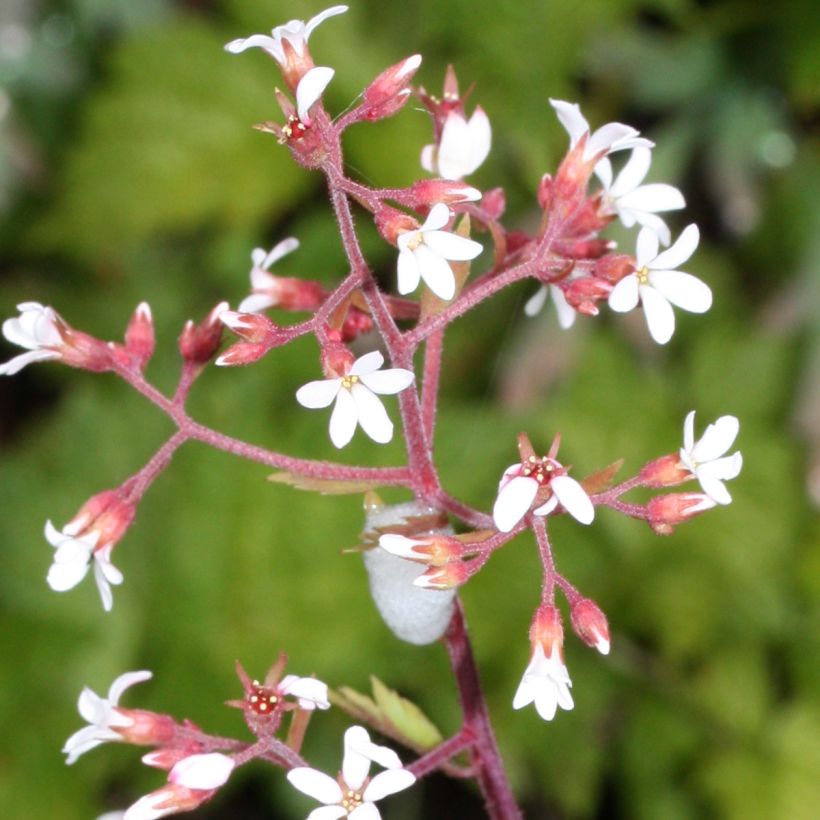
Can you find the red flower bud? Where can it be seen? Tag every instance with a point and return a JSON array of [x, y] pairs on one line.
[[590, 625]]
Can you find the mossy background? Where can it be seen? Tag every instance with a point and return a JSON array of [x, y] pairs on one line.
[[129, 171]]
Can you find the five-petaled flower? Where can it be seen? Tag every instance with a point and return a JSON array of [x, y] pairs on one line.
[[463, 146], [106, 721], [423, 254], [706, 458], [614, 136], [356, 399], [354, 795], [38, 330], [658, 286], [636, 203], [264, 286]]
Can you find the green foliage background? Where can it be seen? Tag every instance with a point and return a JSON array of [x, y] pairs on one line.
[[128, 171]]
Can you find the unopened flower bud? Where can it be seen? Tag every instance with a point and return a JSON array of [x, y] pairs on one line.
[[590, 625], [356, 323], [666, 471], [546, 190], [494, 203], [105, 514], [435, 550], [336, 360], [390, 223], [427, 192], [198, 343], [167, 757], [547, 631], [449, 576], [389, 91], [258, 333], [613, 267], [170, 799], [665, 511], [582, 294], [139, 336]]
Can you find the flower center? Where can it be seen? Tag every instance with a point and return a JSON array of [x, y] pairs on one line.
[[293, 129], [261, 699], [349, 381], [643, 275], [415, 240], [541, 469], [351, 799]]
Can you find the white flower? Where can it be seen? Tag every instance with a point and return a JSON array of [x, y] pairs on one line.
[[263, 284], [706, 459], [295, 32], [36, 329], [310, 89], [633, 202], [521, 483], [357, 796], [73, 556], [658, 286], [614, 136], [565, 312], [202, 771], [102, 715], [423, 254], [311, 693], [463, 146], [356, 400], [546, 682]]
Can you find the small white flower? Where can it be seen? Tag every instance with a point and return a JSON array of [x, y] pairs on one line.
[[565, 312], [73, 556], [545, 682], [706, 459], [464, 145], [295, 32], [37, 330], [310, 89], [614, 136], [423, 254], [633, 202], [311, 693], [357, 796], [102, 715], [263, 284], [202, 771], [520, 485], [658, 286], [356, 399]]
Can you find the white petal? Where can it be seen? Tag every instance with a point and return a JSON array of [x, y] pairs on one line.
[[513, 502], [255, 303], [680, 251], [713, 487], [321, 17], [409, 273], [632, 174], [258, 256], [452, 246], [454, 148], [372, 415], [255, 40], [603, 170], [646, 220], [570, 116], [62, 577], [573, 498], [16, 364], [285, 247], [438, 217], [81, 742], [357, 740], [343, 419], [104, 588], [437, 274], [367, 811], [388, 782], [319, 393], [480, 136], [624, 296], [428, 159], [202, 771], [689, 431], [646, 248], [656, 197], [536, 302], [388, 382], [310, 692], [682, 289], [316, 784], [566, 313], [660, 318], [328, 813], [524, 694], [126, 681], [310, 89], [716, 439], [400, 545], [367, 364], [355, 765], [613, 136], [724, 469]]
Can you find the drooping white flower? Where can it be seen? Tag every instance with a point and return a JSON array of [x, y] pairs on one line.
[[310, 89], [263, 284], [424, 254], [614, 136], [634, 202], [37, 330], [521, 483], [463, 146], [545, 682], [202, 771], [565, 312], [295, 32], [74, 554], [357, 795], [102, 715], [706, 458], [356, 401], [658, 286]]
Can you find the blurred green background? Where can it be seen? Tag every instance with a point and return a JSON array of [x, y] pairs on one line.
[[129, 171]]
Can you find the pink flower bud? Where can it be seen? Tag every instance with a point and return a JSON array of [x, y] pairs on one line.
[[614, 267], [356, 323], [170, 799], [105, 515], [494, 203], [547, 631], [427, 192], [584, 292], [139, 336], [451, 575], [250, 327], [390, 223], [242, 353], [144, 728], [198, 343], [336, 360], [665, 511], [666, 471], [590, 625], [389, 91], [546, 189]]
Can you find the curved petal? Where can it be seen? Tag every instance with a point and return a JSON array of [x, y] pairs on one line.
[[16, 364], [573, 498], [614, 136], [452, 246], [714, 488], [438, 217], [202, 771], [316, 784], [104, 588], [689, 431], [321, 393], [91, 706], [723, 469], [310, 89], [255, 303], [632, 174], [355, 765], [536, 302], [682, 289], [343, 419], [524, 695], [603, 170], [126, 681], [62, 577], [646, 220], [514, 500], [624, 296], [546, 700], [328, 813], [310, 691], [366, 811], [367, 364], [716, 439], [481, 137], [428, 158], [283, 248], [454, 147], [255, 40], [660, 318], [321, 17], [388, 782], [646, 248], [371, 414], [570, 116], [680, 251], [436, 273], [389, 382], [565, 311], [655, 197], [409, 272]]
